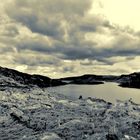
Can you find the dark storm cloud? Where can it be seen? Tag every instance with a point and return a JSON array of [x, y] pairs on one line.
[[47, 16], [34, 46], [50, 32], [81, 51], [58, 19], [115, 59]]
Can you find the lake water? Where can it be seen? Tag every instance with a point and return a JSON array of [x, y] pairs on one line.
[[108, 91]]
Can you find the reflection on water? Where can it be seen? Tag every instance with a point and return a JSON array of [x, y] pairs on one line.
[[108, 91]]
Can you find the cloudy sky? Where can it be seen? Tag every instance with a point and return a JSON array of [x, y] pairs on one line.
[[60, 38]]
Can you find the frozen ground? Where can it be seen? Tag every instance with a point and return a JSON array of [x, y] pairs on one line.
[[36, 114]]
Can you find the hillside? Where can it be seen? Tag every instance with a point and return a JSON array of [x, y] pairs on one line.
[[23, 79]]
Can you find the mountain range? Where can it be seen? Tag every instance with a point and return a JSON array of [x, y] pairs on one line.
[[14, 78]]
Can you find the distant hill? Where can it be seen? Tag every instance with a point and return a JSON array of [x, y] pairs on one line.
[[90, 79], [131, 80], [15, 78]]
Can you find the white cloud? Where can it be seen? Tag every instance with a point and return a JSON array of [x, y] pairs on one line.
[[122, 12]]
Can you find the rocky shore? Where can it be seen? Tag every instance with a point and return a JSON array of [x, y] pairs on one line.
[[37, 114]]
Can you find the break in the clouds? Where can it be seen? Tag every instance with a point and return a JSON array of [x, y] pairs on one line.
[[59, 38]]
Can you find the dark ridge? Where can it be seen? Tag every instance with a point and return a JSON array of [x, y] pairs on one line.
[[90, 79], [84, 79], [28, 79], [86, 76], [95, 77], [131, 80]]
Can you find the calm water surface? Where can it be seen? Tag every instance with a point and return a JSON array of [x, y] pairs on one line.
[[108, 91]]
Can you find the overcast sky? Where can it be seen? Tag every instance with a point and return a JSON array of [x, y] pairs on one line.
[[60, 38]]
